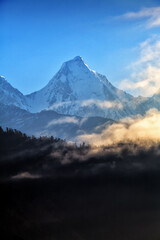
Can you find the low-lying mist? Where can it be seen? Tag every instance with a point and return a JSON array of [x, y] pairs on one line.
[[131, 146], [51, 188], [142, 130]]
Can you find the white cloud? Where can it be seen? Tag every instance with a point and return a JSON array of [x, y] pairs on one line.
[[141, 129], [149, 51], [88, 102], [102, 104], [84, 119], [145, 77], [25, 175], [59, 104], [152, 16], [63, 121]]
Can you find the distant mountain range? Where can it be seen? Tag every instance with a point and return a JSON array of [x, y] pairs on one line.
[[76, 100], [47, 123]]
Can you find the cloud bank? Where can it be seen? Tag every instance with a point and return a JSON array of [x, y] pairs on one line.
[[145, 77], [89, 102], [26, 175], [141, 129], [63, 121], [102, 104], [151, 15]]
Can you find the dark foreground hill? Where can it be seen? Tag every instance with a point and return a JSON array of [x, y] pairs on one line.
[[51, 189]]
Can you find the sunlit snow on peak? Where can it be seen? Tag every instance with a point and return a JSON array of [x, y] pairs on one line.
[[78, 58], [3, 78]]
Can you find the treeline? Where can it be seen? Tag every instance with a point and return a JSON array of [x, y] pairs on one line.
[[42, 155], [49, 156], [12, 137]]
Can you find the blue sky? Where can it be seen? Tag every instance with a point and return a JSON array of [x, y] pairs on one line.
[[113, 37]]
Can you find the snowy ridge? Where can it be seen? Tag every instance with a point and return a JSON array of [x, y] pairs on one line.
[[10, 95], [50, 123], [75, 85], [79, 91]]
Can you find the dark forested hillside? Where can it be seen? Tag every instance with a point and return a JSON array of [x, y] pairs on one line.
[[49, 156], [51, 189]]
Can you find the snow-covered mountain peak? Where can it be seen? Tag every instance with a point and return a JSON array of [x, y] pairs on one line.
[[3, 82], [78, 58], [10, 95], [75, 65], [78, 90], [2, 78]]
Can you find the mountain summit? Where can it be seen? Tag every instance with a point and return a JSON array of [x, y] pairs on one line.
[[10, 95], [78, 90], [74, 90]]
